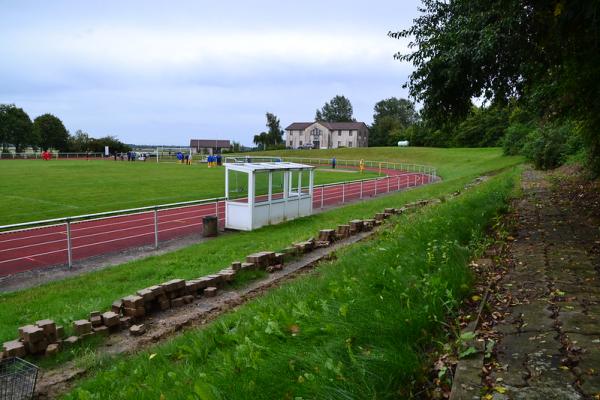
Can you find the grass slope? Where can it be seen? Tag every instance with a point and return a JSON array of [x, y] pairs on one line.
[[34, 190], [450, 163], [356, 328]]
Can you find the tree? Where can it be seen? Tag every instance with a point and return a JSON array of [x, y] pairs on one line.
[[262, 139], [80, 142], [16, 128], [338, 109], [114, 145], [275, 133], [545, 54], [51, 132], [391, 117]]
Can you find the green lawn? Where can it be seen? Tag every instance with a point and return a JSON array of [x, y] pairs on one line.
[[33, 189], [356, 328]]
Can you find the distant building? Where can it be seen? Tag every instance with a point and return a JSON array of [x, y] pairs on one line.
[[326, 135], [209, 146]]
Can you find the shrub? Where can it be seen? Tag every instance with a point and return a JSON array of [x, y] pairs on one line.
[[549, 145], [513, 141]]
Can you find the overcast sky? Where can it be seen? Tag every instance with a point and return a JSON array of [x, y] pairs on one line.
[[163, 72]]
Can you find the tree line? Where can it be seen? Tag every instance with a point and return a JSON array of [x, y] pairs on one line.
[[47, 132], [534, 63]]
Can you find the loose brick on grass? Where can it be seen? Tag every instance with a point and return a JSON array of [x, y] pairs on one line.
[[48, 326], [31, 334], [52, 349], [134, 312], [368, 224], [110, 319], [38, 347], [327, 235], [246, 266], [71, 340], [101, 330], [343, 231], [133, 301], [82, 327], [13, 348], [227, 275], [137, 330], [356, 225], [96, 320], [236, 265], [210, 291], [146, 294], [117, 306]]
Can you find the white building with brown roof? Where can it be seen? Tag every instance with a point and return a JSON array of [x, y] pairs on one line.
[[326, 135]]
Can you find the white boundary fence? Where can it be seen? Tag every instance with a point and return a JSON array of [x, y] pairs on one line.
[[168, 219], [38, 155]]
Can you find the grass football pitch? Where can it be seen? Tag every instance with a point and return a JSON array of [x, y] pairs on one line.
[[34, 190]]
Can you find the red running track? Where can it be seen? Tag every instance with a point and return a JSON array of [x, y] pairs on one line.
[[46, 246]]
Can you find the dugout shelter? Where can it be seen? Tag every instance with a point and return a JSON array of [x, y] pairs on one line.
[[264, 193]]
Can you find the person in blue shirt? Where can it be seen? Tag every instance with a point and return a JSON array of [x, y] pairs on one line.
[[333, 163]]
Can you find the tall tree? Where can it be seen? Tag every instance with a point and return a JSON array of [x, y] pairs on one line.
[[544, 53], [51, 132], [338, 109], [16, 128], [391, 117], [275, 133]]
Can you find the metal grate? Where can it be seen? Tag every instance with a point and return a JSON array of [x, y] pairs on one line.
[[17, 379]]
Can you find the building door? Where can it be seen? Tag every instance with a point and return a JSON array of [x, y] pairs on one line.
[[316, 144]]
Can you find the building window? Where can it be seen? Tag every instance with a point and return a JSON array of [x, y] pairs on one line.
[[291, 143], [350, 133], [300, 143], [339, 133]]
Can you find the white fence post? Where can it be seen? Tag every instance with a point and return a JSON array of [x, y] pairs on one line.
[[376, 182], [155, 227], [69, 246], [361, 189], [322, 195]]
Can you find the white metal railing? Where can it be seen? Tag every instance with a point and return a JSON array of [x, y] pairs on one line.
[[68, 221], [377, 165], [55, 154]]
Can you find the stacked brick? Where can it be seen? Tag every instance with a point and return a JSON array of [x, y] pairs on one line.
[[129, 312], [42, 338]]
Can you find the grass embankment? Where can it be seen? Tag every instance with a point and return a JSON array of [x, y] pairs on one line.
[[34, 190], [356, 328], [450, 163]]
